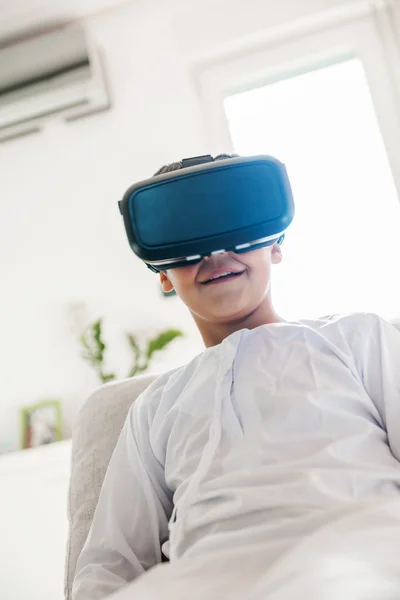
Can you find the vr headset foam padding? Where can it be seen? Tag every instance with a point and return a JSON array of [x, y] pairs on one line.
[[207, 207]]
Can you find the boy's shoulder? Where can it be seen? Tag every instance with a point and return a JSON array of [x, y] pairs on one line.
[[345, 321], [356, 330], [167, 387]]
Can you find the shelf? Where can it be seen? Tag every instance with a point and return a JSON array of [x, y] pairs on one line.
[[36, 457]]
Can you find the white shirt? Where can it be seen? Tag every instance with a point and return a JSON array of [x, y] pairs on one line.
[[255, 444]]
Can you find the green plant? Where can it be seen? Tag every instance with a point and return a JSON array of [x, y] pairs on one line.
[[95, 348], [142, 358]]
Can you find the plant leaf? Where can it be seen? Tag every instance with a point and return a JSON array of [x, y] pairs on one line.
[[132, 341], [136, 354], [105, 377], [161, 341], [94, 347]]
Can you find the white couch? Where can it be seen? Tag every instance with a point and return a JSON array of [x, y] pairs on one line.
[[96, 431]]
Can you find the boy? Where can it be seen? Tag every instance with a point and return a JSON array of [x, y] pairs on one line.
[[268, 467]]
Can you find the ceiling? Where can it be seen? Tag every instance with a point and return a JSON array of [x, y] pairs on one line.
[[20, 16]]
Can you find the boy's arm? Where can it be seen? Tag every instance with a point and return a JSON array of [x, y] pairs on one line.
[[131, 519], [378, 360]]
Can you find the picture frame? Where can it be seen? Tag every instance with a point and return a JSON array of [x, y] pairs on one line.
[[41, 424]]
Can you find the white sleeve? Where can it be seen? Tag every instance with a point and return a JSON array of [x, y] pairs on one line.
[[131, 519], [379, 364]]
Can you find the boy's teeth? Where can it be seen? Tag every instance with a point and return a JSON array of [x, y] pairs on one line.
[[222, 275]]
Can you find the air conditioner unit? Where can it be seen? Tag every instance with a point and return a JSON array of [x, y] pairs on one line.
[[53, 76]]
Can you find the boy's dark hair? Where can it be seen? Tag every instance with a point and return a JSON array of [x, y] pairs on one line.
[[175, 166]]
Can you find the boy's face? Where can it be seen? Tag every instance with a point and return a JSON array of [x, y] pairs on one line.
[[216, 298]]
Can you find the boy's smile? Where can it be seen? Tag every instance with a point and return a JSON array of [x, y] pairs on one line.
[[216, 275]]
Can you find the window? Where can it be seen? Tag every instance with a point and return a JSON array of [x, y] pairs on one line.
[[342, 252]]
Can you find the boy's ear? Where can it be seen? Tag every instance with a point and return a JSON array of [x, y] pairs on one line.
[[166, 285], [276, 254]]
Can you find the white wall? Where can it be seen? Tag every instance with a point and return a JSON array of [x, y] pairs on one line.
[[61, 237], [214, 28]]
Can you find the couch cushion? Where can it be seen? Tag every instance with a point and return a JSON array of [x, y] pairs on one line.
[[95, 434]]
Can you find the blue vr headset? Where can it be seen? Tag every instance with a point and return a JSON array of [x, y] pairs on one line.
[[207, 207]]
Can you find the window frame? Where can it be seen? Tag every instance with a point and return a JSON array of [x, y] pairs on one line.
[[370, 36]]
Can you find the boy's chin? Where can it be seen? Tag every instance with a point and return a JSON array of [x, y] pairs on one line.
[[231, 313]]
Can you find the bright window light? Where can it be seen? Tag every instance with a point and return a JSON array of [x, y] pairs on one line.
[[342, 252]]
